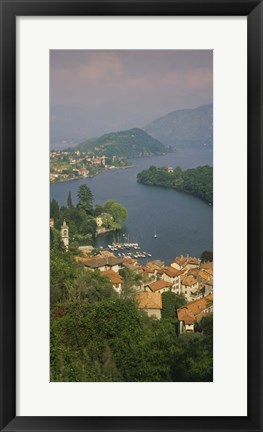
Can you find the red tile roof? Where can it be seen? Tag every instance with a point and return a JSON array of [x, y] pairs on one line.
[[171, 271], [160, 284], [182, 261], [188, 280], [103, 261], [149, 300], [114, 277], [195, 310]]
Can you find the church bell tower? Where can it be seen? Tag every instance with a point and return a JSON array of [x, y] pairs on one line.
[[64, 234]]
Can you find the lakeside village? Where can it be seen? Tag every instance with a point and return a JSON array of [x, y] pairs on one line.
[[71, 165], [189, 277]]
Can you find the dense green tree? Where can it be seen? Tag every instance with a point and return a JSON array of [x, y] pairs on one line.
[[77, 352], [169, 305], [61, 276], [111, 340], [54, 209], [112, 333], [69, 200], [168, 302], [88, 226], [95, 332], [55, 239], [73, 248], [179, 301], [171, 302], [131, 280], [192, 360], [118, 211], [98, 210], [85, 199], [206, 326], [91, 286]]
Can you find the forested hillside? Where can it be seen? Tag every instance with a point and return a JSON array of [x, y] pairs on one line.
[[196, 181], [97, 335], [129, 144]]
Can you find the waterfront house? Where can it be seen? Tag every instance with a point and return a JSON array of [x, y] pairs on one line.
[[100, 220], [150, 302], [179, 262], [185, 262], [158, 263]]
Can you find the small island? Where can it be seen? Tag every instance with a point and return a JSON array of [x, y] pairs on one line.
[[195, 181]]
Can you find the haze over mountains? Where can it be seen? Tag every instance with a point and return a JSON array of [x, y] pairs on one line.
[[184, 128], [188, 128]]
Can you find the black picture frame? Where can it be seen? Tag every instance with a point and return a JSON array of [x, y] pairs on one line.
[[253, 9]]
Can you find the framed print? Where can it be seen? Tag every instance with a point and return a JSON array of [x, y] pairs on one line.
[[110, 285]]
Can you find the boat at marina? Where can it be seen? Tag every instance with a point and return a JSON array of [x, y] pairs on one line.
[[136, 252]]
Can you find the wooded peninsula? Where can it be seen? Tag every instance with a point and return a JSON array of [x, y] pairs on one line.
[[196, 181]]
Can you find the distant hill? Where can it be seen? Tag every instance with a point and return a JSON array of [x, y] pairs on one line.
[[130, 143], [184, 128]]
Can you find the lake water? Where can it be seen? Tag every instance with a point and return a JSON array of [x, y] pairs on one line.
[[183, 223]]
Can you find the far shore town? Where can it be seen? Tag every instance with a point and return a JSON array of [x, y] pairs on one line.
[[71, 165]]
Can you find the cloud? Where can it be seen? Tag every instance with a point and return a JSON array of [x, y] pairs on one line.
[[101, 66], [104, 90]]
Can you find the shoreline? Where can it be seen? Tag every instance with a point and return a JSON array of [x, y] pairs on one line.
[[91, 176], [210, 203], [106, 169]]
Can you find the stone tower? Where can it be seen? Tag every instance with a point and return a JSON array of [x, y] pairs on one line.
[[64, 234]]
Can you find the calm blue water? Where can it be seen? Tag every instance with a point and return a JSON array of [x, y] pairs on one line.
[[184, 224]]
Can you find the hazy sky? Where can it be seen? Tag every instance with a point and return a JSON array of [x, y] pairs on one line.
[[95, 91]]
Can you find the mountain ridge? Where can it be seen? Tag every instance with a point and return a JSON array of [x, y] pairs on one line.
[[190, 127]]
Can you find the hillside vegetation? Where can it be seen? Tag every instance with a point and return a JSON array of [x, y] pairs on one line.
[[196, 181], [129, 144], [97, 335]]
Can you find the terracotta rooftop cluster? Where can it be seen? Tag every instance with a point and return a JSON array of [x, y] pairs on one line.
[[196, 310]]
